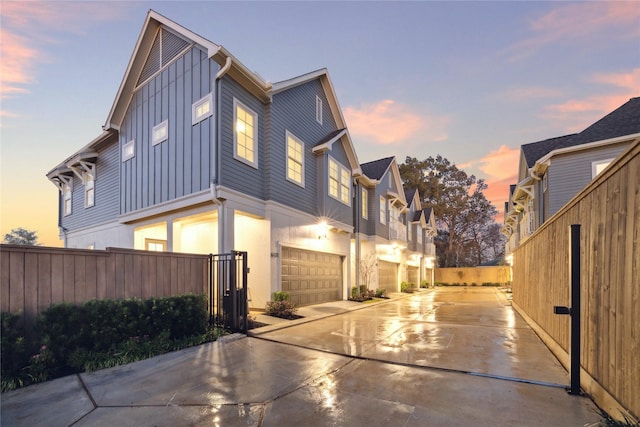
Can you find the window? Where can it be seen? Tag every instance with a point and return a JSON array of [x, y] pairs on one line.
[[599, 166], [245, 134], [160, 133], [155, 245], [201, 109], [318, 109], [383, 210], [295, 160], [67, 190], [410, 231], [365, 204], [129, 150], [89, 191], [545, 182], [339, 182]]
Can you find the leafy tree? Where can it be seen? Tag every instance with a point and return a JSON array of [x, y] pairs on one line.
[[21, 236], [460, 207]]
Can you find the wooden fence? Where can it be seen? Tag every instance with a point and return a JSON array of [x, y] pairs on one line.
[[608, 210], [32, 277], [473, 275]]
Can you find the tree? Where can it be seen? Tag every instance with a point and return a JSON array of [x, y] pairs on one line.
[[459, 205], [21, 236]]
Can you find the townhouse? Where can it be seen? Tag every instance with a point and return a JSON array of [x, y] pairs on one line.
[[201, 155]]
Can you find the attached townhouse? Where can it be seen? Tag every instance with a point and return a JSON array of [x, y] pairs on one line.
[[553, 171], [201, 155], [392, 231]]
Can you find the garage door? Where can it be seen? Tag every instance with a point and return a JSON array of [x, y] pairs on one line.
[[412, 275], [311, 277], [388, 276]]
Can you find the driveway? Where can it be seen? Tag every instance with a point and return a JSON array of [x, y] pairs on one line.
[[444, 357]]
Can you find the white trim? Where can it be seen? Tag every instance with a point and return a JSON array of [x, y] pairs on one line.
[[197, 117], [596, 163], [163, 208], [238, 104], [129, 150], [364, 202], [156, 137], [289, 135], [318, 109]]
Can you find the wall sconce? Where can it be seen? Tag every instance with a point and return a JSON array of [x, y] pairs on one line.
[[323, 230]]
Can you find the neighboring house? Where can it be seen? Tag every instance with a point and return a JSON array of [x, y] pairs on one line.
[[553, 171], [393, 233], [201, 155]]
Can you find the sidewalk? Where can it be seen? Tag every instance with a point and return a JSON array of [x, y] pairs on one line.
[[435, 358]]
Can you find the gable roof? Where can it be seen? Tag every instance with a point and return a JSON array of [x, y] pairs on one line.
[[625, 120], [150, 29], [340, 135], [377, 168], [410, 196]]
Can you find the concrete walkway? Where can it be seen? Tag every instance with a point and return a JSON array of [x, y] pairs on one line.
[[444, 357]]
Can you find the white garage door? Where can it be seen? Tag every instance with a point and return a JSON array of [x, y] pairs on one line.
[[311, 277]]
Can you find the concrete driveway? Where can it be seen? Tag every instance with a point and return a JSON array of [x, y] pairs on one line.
[[444, 357]]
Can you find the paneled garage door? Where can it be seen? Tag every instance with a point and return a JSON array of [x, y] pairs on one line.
[[412, 275], [311, 277], [388, 276]]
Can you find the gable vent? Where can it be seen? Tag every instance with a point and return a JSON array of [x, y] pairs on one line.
[[166, 47]]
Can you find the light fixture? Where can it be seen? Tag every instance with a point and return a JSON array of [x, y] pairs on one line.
[[323, 230]]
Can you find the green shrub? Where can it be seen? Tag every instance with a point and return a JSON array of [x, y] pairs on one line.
[[424, 284], [281, 296], [490, 284], [284, 309], [14, 358], [407, 287], [381, 293]]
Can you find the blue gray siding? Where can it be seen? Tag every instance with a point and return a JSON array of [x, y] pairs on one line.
[[294, 110], [235, 174], [106, 207], [569, 173], [182, 164]]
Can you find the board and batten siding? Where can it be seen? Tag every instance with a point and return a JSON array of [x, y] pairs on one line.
[[571, 172], [106, 207], [235, 174], [294, 110], [182, 164], [380, 229]]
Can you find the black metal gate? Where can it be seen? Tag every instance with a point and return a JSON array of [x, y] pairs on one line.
[[228, 307]]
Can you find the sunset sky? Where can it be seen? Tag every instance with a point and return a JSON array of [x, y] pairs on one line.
[[471, 81]]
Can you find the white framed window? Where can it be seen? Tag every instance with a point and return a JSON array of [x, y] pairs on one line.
[[383, 210], [202, 109], [339, 182], [545, 181], [365, 203], [318, 109], [598, 166], [410, 232], [129, 150], [155, 245], [295, 159], [245, 134], [160, 133], [67, 192], [89, 190]]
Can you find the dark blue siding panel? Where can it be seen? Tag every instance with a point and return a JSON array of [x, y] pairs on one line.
[[180, 165], [106, 207], [234, 173]]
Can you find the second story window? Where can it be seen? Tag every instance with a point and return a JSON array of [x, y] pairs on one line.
[[365, 204], [160, 133], [67, 191], [128, 150], [410, 232], [318, 109], [245, 134], [295, 160], [201, 109], [383, 210], [599, 166], [339, 182], [89, 190]]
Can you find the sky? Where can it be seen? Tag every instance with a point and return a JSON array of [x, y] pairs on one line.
[[471, 81]]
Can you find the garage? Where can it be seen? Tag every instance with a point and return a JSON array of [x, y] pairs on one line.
[[412, 275], [388, 276], [311, 277]]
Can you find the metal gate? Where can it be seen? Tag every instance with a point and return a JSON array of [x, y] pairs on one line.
[[228, 307]]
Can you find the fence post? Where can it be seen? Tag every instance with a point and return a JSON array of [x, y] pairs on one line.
[[575, 309]]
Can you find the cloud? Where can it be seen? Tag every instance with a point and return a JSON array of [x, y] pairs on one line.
[[499, 170], [580, 21], [29, 27], [389, 122]]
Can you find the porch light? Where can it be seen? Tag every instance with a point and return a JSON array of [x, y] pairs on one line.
[[323, 230]]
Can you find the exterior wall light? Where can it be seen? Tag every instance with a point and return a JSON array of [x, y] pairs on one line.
[[323, 230]]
